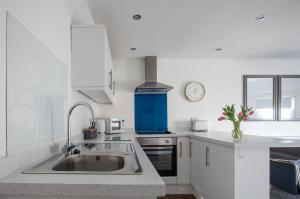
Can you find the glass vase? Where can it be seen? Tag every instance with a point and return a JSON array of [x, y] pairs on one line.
[[237, 134]]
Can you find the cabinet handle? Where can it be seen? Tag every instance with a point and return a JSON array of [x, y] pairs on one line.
[[110, 80], [180, 149], [190, 149], [113, 87], [207, 156]]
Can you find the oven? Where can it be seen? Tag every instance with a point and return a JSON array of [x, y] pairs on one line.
[[162, 153]]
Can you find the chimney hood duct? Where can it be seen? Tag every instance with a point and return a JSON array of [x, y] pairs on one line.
[[151, 85]]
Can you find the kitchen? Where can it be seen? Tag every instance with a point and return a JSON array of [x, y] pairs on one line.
[[58, 53]]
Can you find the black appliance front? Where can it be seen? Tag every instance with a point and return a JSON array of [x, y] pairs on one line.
[[163, 158]]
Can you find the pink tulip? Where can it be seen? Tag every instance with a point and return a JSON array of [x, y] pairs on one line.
[[225, 114], [241, 114], [221, 118], [251, 113], [245, 119]]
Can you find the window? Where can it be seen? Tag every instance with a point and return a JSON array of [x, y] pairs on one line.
[[259, 93], [289, 99], [273, 97]]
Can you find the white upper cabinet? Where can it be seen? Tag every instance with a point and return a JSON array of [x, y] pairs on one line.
[[92, 68]]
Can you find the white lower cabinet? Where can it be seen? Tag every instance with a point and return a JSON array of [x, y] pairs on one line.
[[212, 170], [219, 172], [183, 160], [198, 167]]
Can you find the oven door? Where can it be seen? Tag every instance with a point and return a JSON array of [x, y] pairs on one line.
[[163, 159]]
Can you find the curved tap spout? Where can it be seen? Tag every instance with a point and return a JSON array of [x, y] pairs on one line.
[[68, 147]]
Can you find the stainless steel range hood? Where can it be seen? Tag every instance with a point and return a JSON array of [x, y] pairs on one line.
[[151, 85]]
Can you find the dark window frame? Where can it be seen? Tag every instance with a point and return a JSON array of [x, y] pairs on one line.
[[275, 101], [280, 77]]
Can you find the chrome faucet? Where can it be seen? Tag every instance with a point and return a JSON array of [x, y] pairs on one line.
[[67, 149]]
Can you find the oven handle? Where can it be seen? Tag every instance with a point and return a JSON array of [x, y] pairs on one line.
[[158, 152], [160, 147]]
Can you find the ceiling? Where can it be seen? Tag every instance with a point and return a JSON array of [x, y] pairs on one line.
[[193, 29]]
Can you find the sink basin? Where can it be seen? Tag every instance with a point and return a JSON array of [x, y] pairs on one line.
[[91, 163], [93, 158]]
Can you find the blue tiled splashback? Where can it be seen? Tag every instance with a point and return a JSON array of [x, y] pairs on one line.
[[151, 113]]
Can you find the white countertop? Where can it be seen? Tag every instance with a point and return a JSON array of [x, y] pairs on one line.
[[225, 139], [148, 184]]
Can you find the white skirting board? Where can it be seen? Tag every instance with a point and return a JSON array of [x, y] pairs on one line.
[[170, 180], [197, 194], [179, 189]]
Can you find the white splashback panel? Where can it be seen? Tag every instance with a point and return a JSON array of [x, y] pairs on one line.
[[36, 91]]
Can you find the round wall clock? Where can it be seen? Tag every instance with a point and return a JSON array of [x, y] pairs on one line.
[[194, 91]]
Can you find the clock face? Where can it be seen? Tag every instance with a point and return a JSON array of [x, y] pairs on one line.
[[194, 91]]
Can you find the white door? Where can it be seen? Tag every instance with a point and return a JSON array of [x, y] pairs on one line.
[[198, 167], [219, 172], [183, 160]]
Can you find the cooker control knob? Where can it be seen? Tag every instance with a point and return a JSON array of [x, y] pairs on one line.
[[167, 141]]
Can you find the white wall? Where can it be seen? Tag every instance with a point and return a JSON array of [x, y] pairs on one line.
[[127, 74], [223, 82], [79, 11], [50, 22]]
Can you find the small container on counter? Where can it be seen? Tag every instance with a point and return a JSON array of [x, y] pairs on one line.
[[199, 125], [90, 132], [100, 124]]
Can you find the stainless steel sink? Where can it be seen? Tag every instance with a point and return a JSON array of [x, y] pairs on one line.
[[91, 163], [94, 158]]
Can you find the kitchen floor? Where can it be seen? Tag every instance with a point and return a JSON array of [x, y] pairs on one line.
[[177, 197]]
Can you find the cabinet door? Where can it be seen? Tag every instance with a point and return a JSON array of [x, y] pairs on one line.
[[109, 73], [198, 173], [219, 172], [88, 55], [183, 160]]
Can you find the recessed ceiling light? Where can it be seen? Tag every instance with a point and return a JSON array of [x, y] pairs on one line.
[[260, 17], [136, 17], [218, 49], [132, 49]]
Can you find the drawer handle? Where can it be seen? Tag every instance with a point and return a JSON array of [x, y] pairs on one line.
[[191, 149], [180, 149], [207, 156]]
